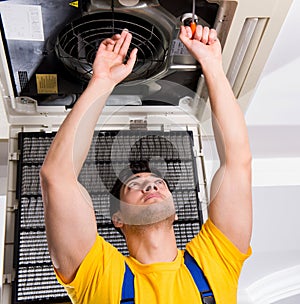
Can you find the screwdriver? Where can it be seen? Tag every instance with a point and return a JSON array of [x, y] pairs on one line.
[[193, 24]]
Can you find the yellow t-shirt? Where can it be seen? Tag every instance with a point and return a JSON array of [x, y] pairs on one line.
[[100, 277]]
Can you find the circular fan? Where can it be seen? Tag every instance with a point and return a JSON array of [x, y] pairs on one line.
[[78, 42]]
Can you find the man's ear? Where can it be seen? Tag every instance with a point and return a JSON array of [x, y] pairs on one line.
[[117, 219]]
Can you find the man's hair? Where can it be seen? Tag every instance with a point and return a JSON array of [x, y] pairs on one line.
[[134, 167]]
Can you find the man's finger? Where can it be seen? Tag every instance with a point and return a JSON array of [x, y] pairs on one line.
[[119, 42], [184, 35], [199, 32], [205, 34], [126, 43], [132, 59], [213, 36]]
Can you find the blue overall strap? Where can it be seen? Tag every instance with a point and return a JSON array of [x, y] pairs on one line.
[[196, 272], [128, 286], [199, 279]]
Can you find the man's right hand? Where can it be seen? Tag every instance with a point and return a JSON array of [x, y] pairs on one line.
[[109, 61]]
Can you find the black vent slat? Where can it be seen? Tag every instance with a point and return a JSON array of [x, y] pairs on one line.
[[171, 152]]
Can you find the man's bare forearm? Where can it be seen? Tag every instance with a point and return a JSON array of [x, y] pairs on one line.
[[71, 144], [230, 197], [69, 216], [228, 120], [230, 206]]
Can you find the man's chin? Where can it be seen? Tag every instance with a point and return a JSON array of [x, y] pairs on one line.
[[165, 222], [147, 214]]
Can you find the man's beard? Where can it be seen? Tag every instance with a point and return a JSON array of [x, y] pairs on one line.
[[147, 214]]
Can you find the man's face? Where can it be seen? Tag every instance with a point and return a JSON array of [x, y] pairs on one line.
[[144, 188], [145, 199]]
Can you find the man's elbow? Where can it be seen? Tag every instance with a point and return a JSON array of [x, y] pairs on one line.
[[55, 176], [245, 167], [239, 159], [247, 159], [47, 176], [51, 183]]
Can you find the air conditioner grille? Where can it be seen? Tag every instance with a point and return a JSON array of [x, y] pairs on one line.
[[78, 42], [168, 151]]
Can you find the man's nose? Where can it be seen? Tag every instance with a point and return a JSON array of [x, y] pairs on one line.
[[150, 186]]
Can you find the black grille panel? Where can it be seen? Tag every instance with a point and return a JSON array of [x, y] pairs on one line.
[[171, 152]]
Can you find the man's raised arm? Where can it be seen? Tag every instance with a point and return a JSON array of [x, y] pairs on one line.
[[69, 216], [230, 206]]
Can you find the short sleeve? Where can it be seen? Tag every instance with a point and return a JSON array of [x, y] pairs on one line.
[[220, 260], [100, 272]]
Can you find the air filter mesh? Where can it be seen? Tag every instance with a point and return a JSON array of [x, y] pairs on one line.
[[171, 152]]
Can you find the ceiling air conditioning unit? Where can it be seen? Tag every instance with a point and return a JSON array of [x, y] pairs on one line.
[[37, 75], [46, 53]]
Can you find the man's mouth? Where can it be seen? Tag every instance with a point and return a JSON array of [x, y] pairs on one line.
[[153, 195]]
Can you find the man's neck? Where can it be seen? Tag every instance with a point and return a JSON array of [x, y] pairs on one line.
[[152, 243]]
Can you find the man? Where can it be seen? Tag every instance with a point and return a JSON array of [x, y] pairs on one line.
[[92, 270]]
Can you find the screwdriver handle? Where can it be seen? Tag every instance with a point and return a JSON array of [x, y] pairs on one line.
[[193, 26]]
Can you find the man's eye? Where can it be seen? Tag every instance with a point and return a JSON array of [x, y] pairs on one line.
[[133, 185], [159, 181]]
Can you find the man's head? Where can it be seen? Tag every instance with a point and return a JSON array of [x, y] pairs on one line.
[[140, 196]]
